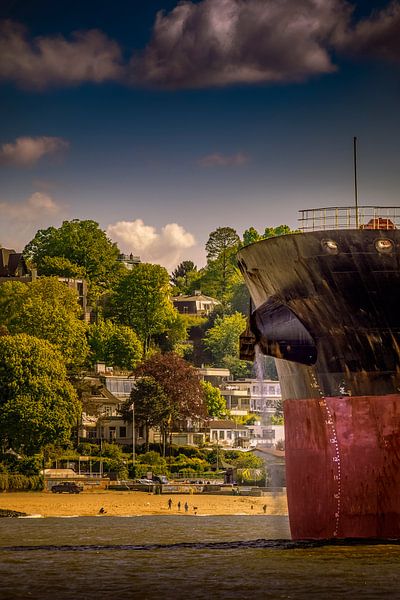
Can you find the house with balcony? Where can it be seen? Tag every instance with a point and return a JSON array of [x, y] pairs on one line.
[[197, 304], [227, 433], [105, 392], [244, 396]]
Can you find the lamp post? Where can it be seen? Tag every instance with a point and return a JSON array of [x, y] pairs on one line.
[[133, 434]]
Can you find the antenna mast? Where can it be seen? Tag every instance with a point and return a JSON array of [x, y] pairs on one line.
[[355, 179]]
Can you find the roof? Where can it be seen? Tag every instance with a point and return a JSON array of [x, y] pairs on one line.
[[195, 298], [225, 424], [10, 261]]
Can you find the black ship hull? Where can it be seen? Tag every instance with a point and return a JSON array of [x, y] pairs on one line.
[[326, 306]]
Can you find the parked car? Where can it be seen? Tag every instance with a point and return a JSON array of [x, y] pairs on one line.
[[146, 481], [69, 487]]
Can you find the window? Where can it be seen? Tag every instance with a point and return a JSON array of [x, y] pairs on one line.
[[215, 435], [229, 435], [122, 432], [222, 435]]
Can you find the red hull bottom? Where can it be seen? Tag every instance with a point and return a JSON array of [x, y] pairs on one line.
[[343, 467]]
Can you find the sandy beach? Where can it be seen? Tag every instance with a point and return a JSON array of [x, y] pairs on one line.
[[138, 503]]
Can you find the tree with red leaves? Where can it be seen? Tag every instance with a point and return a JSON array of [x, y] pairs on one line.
[[181, 384]]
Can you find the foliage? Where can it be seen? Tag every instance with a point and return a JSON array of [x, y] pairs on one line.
[[247, 460], [84, 245], [184, 276], [277, 420], [37, 403], [151, 405], [116, 345], [175, 334], [221, 249], [251, 476], [17, 482], [62, 267], [154, 459], [215, 402], [240, 369], [46, 309], [142, 300], [180, 383], [111, 451], [251, 235], [223, 342], [223, 338]]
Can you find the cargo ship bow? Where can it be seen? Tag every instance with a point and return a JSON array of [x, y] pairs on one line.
[[325, 304]]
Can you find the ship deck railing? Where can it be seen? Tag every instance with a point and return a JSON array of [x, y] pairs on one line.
[[349, 217]]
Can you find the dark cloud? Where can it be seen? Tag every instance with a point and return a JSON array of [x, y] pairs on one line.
[[220, 42], [378, 36], [53, 60], [208, 44]]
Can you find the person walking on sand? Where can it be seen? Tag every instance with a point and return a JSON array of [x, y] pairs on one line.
[[169, 504], [265, 508], [186, 506], [179, 505]]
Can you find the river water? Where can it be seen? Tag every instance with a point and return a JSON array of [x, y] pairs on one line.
[[193, 557]]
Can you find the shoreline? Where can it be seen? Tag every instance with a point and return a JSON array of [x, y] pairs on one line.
[[124, 503]]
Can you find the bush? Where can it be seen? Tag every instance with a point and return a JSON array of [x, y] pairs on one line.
[[18, 483]]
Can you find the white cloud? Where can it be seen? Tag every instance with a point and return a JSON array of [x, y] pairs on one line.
[[20, 220], [26, 151], [165, 247], [89, 56], [223, 160]]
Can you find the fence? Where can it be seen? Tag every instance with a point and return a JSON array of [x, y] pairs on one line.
[[348, 217]]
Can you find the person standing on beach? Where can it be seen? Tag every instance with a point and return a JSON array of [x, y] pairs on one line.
[[186, 506], [179, 505], [265, 508], [169, 504]]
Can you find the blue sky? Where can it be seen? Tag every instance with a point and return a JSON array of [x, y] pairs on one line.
[[213, 113]]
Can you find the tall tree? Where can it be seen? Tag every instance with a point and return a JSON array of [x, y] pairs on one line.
[[142, 300], [221, 249], [151, 405], [116, 345], [46, 309], [84, 245], [38, 405]]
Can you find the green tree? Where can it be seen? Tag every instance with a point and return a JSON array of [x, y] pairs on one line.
[[61, 267], [223, 338], [151, 405], [221, 249], [279, 230], [116, 345], [250, 236], [142, 300], [215, 402], [46, 309], [38, 405], [223, 342], [84, 245], [184, 276]]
